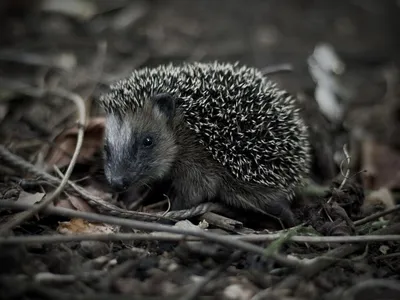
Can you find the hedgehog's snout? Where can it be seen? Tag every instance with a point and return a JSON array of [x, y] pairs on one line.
[[119, 183]]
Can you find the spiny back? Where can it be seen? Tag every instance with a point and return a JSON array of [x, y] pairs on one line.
[[244, 120]]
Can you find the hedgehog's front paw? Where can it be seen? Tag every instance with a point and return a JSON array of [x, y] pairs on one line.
[[180, 201], [281, 210]]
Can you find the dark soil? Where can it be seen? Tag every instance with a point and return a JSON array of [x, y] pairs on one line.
[[46, 49]]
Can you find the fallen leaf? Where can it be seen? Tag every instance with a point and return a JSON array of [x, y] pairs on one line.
[[65, 143], [24, 198], [378, 200], [75, 203], [384, 249], [76, 226], [28, 198]]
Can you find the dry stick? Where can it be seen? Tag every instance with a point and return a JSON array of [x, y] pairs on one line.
[[117, 272], [377, 215], [81, 123], [387, 256], [109, 237], [289, 283], [314, 268], [46, 277], [343, 181], [371, 284], [147, 226], [345, 176], [222, 222], [193, 293]]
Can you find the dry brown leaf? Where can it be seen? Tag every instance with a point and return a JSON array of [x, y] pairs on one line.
[[382, 166], [65, 143], [76, 226]]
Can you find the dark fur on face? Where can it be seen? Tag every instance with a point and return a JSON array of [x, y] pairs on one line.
[[140, 147]]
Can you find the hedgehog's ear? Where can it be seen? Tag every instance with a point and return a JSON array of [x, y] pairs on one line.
[[165, 104]]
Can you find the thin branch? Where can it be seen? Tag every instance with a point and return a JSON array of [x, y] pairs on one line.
[[345, 176], [348, 158], [387, 256], [193, 293], [371, 284], [342, 183], [322, 263], [147, 226], [377, 215], [81, 122], [108, 237], [117, 272]]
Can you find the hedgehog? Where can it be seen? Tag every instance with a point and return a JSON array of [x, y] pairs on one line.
[[217, 132]]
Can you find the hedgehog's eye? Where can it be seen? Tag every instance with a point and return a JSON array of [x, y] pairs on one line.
[[148, 141]]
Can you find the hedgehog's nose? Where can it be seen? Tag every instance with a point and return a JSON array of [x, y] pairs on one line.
[[119, 184]]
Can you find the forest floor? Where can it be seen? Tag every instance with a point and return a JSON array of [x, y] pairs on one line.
[[74, 239]]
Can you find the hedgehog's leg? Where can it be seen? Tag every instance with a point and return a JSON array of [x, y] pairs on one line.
[[193, 186], [273, 202]]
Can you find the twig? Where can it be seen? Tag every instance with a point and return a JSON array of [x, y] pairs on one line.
[[290, 282], [117, 272], [342, 183], [345, 176], [194, 211], [372, 284], [377, 215], [193, 293], [277, 244], [81, 123], [320, 264], [147, 226], [387, 256], [221, 221], [107, 237], [135, 204], [348, 158], [65, 278]]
